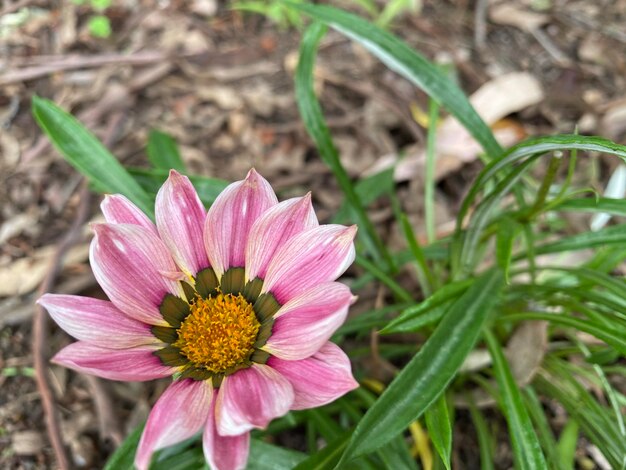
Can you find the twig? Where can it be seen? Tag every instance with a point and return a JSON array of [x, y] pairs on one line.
[[16, 6], [480, 24], [40, 320], [40, 333], [81, 62], [107, 417]]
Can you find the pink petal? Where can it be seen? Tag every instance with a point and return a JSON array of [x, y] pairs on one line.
[[118, 209], [251, 398], [96, 321], [224, 452], [319, 379], [130, 365], [318, 255], [180, 219], [305, 323], [273, 229], [231, 217], [128, 262], [178, 414]]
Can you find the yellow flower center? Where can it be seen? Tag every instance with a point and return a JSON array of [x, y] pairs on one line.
[[219, 332]]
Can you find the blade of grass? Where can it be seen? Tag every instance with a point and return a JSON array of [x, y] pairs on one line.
[[429, 174], [418, 254], [400, 292], [592, 204], [612, 337], [466, 243], [406, 321], [401, 58], [439, 429], [163, 152], [328, 456], [86, 153], [544, 432], [537, 146], [265, 456], [430, 371], [526, 448], [485, 439], [311, 113], [566, 447]]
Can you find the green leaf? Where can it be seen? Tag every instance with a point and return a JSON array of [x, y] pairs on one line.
[[313, 119], [568, 441], [430, 371], [264, 456], [99, 26], [544, 431], [611, 336], [328, 456], [537, 146], [84, 152], [368, 190], [485, 439], [124, 457], [401, 58], [467, 243], [596, 421], [373, 269], [614, 234], [507, 231], [163, 152], [439, 429], [591, 204], [411, 318], [526, 448]]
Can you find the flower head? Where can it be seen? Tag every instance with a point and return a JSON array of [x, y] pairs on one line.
[[237, 305]]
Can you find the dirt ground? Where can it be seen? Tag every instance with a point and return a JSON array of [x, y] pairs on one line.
[[221, 83]]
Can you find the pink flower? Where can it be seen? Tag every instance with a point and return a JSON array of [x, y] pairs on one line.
[[237, 304]]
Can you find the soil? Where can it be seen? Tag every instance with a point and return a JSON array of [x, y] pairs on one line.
[[221, 83]]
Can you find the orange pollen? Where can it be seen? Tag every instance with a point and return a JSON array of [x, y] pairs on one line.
[[219, 332]]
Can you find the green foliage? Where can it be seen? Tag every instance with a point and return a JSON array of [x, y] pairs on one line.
[[512, 258], [84, 152], [99, 26]]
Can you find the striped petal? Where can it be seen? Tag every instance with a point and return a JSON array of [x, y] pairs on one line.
[[224, 452], [230, 219], [118, 209], [96, 321], [178, 414], [134, 269], [180, 219], [305, 323], [251, 398], [132, 365], [310, 258], [319, 379], [273, 229]]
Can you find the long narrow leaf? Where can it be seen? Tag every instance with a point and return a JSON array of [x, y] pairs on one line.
[[538, 146], [401, 58], [163, 152], [439, 429], [427, 375], [86, 153], [526, 448], [315, 124]]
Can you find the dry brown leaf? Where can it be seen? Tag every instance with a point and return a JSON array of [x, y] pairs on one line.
[[455, 146], [25, 274], [613, 123], [512, 15]]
